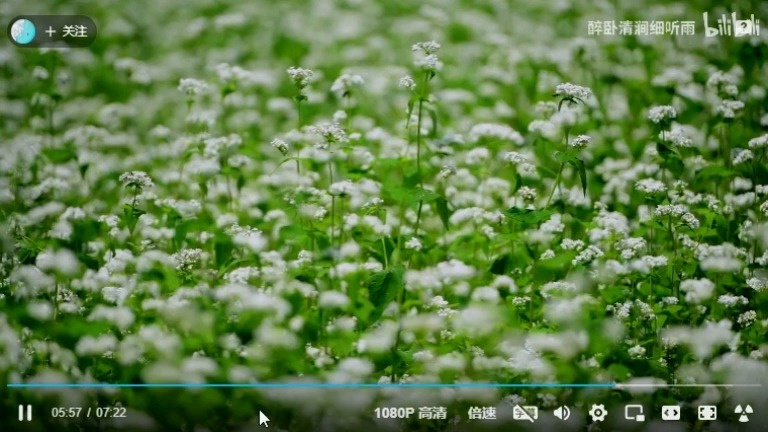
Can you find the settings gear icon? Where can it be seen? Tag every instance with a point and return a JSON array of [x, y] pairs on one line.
[[598, 412]]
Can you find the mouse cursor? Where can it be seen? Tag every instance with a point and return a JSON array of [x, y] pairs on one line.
[[263, 419]]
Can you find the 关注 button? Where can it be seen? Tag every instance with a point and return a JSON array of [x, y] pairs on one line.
[[52, 31]]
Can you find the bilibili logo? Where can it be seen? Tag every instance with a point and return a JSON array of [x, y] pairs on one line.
[[731, 26]]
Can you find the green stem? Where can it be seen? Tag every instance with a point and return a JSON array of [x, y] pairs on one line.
[[341, 224], [727, 146], [348, 110], [663, 167], [298, 128], [418, 218], [418, 141], [182, 159], [674, 251], [556, 185], [229, 193], [384, 253], [333, 220], [56, 302], [50, 124], [756, 209]]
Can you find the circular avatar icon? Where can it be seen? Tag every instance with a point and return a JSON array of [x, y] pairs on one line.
[[23, 31]]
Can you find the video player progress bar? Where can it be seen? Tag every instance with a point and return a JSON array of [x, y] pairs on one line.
[[607, 386]]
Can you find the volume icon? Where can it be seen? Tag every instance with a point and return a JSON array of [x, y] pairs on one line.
[[25, 413], [563, 413]]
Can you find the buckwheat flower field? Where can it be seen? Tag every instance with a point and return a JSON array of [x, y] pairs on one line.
[[385, 192]]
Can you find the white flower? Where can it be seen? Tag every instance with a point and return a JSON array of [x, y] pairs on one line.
[[414, 244], [137, 179], [346, 83], [724, 83], [630, 246], [662, 113], [527, 193], [729, 300], [588, 255], [729, 108], [759, 142], [697, 290], [186, 259], [301, 77], [570, 244], [333, 300], [192, 87], [429, 63], [426, 56], [330, 132], [679, 211], [757, 284], [670, 300], [251, 238], [342, 188], [447, 171], [677, 136], [430, 47], [650, 186], [572, 91], [495, 131], [407, 82], [63, 261], [579, 141], [515, 158], [636, 352], [742, 156], [547, 254], [747, 318], [655, 261], [280, 145]]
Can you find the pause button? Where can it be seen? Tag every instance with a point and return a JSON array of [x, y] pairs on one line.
[[25, 413]]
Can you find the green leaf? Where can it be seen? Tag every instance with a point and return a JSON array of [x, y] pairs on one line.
[[422, 195], [661, 319], [518, 183], [228, 89], [384, 286], [675, 165], [499, 266], [665, 151], [716, 171], [180, 235], [188, 153], [433, 117], [222, 247], [381, 248], [398, 193], [565, 157], [131, 216], [528, 216], [60, 155], [443, 211], [619, 371], [545, 172], [411, 103], [582, 169]]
